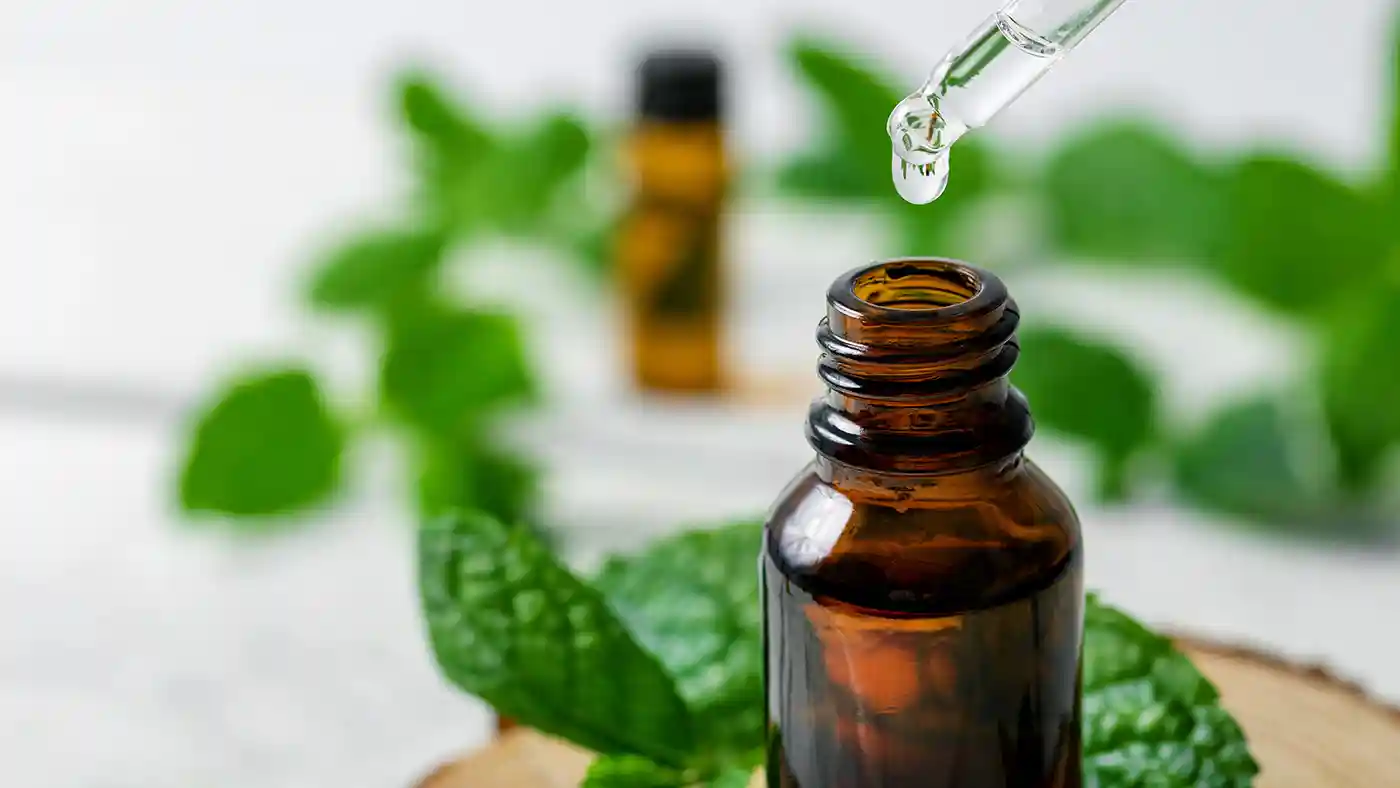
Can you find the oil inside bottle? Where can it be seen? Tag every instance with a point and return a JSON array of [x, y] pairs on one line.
[[918, 673]]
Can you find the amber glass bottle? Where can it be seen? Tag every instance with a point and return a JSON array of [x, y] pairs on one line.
[[923, 597], [669, 244]]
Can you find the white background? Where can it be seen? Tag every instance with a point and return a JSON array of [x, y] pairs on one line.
[[165, 168]]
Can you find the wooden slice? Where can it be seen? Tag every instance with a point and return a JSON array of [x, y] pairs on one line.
[[520, 758], [1307, 728]]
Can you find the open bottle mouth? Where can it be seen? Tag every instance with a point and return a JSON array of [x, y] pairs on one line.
[[916, 285], [900, 296], [909, 326], [915, 354]]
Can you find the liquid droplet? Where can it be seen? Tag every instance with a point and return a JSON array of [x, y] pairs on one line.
[[916, 128], [920, 184]]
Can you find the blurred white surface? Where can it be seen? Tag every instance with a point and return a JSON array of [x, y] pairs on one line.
[[168, 168], [143, 652]]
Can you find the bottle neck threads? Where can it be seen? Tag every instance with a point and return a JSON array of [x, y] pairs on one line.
[[915, 358]]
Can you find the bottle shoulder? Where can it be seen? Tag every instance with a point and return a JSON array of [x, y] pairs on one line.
[[918, 548]]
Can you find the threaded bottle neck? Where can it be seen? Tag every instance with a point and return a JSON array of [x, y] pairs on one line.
[[915, 354]]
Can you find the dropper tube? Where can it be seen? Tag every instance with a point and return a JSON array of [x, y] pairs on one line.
[[992, 67], [1061, 22]]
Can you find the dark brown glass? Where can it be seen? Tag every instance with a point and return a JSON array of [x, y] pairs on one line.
[[923, 592]]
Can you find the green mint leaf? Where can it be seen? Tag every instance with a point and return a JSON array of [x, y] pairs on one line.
[[473, 179], [692, 600], [374, 269], [445, 368], [466, 474], [1288, 216], [1360, 387], [457, 194], [733, 778], [442, 126], [1250, 459], [856, 100], [1393, 172], [591, 244], [1090, 391], [531, 169], [631, 771], [451, 149], [1151, 720], [825, 175], [268, 444], [511, 625], [1129, 191]]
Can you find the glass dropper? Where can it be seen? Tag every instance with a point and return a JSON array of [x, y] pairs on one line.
[[1003, 57]]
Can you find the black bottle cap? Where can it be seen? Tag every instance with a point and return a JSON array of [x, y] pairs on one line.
[[680, 85]]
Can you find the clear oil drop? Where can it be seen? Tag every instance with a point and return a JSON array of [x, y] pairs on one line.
[[920, 184], [990, 70]]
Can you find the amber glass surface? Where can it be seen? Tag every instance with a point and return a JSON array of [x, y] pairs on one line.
[[669, 256], [922, 579]]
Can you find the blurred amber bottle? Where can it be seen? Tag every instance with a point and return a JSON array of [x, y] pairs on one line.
[[923, 598], [670, 244]]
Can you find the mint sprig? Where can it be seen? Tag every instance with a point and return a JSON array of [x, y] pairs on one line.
[[514, 627], [691, 600], [451, 364], [657, 664], [631, 771], [1150, 717], [268, 444]]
